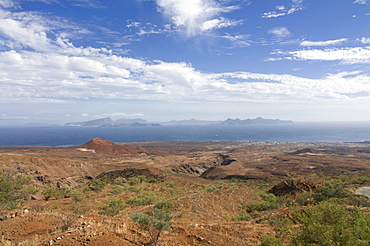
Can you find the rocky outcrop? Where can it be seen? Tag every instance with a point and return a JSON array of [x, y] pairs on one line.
[[295, 186]]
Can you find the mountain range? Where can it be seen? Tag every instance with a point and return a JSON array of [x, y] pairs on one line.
[[109, 122]]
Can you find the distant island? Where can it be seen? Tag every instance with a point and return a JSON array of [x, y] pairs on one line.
[[256, 121], [109, 122]]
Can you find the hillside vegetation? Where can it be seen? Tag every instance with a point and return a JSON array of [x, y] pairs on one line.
[[258, 194]]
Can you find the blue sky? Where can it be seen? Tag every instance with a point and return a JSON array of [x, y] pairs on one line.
[[76, 60]]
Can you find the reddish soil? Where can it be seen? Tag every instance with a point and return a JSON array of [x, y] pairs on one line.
[[194, 177], [104, 146]]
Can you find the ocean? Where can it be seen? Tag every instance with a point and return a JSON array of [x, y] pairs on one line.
[[296, 132]]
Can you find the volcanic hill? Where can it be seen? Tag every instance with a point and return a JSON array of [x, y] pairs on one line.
[[104, 146]]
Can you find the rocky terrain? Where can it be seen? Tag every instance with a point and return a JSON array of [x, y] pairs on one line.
[[209, 185]]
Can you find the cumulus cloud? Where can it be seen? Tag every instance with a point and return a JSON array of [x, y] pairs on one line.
[[323, 43], [282, 10], [196, 16], [31, 76], [345, 55], [280, 32], [48, 67]]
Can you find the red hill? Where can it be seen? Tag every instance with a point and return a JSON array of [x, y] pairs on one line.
[[104, 146]]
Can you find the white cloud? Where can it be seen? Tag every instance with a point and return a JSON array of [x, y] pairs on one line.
[[323, 43], [364, 40], [94, 116], [345, 55], [53, 69], [361, 1], [196, 16], [217, 24], [6, 117], [241, 40], [6, 3], [280, 32], [33, 76], [30, 31], [281, 10]]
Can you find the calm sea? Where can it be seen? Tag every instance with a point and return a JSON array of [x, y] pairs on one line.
[[297, 132]]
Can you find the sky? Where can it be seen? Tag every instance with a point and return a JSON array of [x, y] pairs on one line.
[[77, 60]]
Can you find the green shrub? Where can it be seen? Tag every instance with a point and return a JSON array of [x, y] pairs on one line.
[[76, 195], [76, 210], [215, 186], [117, 189], [268, 240], [304, 199], [269, 202], [97, 185], [120, 181], [243, 216], [142, 199], [52, 192], [170, 184], [113, 207], [14, 189], [153, 180], [136, 180], [329, 223], [164, 205], [135, 189], [327, 190], [154, 223]]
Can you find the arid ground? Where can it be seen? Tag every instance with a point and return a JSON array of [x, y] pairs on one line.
[[208, 184]]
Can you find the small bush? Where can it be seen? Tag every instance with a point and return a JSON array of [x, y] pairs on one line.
[[328, 190], [170, 184], [154, 223], [52, 192], [329, 223], [38, 207], [268, 240], [117, 189], [76, 195], [142, 199], [243, 216], [136, 180], [120, 181], [113, 207], [67, 221], [269, 202], [304, 199], [153, 180], [97, 185], [14, 189], [77, 210], [215, 186], [164, 205], [135, 189]]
